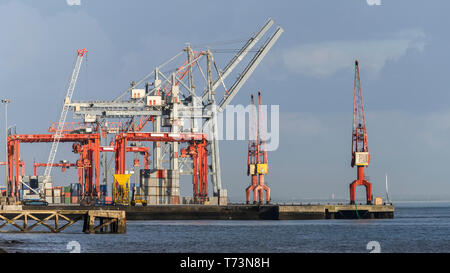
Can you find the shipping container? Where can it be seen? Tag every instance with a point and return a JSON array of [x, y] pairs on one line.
[[75, 189], [67, 189], [108, 200], [157, 200], [175, 200], [57, 200], [34, 183], [56, 192], [66, 200], [103, 189], [49, 199], [74, 199]]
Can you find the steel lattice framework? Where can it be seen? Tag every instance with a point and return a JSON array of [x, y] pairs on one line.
[[360, 147], [177, 97]]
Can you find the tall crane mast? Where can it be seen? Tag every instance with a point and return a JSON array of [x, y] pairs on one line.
[[62, 119], [360, 148], [257, 155]]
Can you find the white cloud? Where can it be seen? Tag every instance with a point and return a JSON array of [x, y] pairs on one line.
[[373, 2], [325, 58], [73, 2]]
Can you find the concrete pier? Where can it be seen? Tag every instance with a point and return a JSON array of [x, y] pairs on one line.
[[242, 212]]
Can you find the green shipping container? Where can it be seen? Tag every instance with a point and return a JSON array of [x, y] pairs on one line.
[[67, 189], [66, 200]]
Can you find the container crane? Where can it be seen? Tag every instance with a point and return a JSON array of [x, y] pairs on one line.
[[180, 105], [360, 148], [62, 119]]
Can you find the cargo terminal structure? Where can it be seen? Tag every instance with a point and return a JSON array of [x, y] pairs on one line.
[[168, 121]]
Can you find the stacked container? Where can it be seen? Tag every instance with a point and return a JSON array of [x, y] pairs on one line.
[[57, 191], [103, 193], [49, 195], [108, 200], [75, 191], [66, 195], [41, 185], [160, 187]]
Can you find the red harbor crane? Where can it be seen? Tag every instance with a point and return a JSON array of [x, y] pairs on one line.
[[257, 155], [360, 148]]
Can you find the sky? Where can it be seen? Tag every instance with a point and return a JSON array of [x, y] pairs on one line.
[[403, 57]]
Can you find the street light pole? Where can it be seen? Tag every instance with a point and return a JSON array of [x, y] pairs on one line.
[[6, 101]]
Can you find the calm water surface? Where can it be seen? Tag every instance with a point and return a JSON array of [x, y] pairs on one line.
[[417, 227]]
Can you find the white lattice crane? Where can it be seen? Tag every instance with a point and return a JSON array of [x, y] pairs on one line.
[[65, 109]]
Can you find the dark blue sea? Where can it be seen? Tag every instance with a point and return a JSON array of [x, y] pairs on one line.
[[417, 227]]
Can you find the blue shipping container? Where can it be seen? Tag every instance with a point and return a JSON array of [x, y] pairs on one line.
[[75, 189]]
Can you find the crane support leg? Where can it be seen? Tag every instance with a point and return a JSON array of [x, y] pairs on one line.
[[251, 188], [360, 181]]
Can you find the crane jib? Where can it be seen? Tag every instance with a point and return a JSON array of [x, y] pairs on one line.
[[65, 109]]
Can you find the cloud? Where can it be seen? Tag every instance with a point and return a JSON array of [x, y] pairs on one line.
[[73, 2], [373, 2], [326, 58]]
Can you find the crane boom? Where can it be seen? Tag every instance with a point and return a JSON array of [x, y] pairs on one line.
[[360, 148], [249, 69], [240, 55], [65, 109]]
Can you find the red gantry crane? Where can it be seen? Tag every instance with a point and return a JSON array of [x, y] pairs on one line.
[[257, 155], [360, 148]]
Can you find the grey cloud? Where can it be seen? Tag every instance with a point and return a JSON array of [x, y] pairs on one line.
[[325, 58]]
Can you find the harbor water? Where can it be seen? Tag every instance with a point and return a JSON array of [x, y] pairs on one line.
[[417, 227]]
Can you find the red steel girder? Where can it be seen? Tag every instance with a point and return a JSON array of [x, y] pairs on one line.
[[121, 143], [63, 166], [91, 151]]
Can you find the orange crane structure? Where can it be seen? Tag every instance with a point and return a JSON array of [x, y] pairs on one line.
[[87, 145], [257, 155], [21, 164], [63, 165], [360, 148]]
